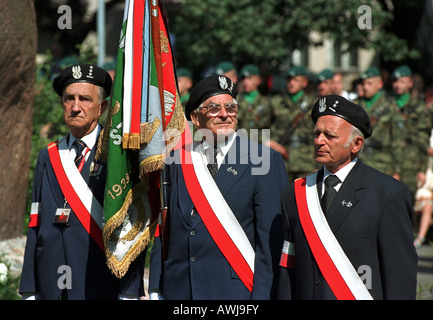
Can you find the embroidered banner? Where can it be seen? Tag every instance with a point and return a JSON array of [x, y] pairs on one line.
[[144, 104]]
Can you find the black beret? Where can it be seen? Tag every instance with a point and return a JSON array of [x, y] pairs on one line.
[[82, 73], [336, 105], [208, 87]]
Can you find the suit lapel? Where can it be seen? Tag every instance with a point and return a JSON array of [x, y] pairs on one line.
[[235, 163]]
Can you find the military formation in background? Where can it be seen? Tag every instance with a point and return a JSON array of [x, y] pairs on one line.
[[402, 117]]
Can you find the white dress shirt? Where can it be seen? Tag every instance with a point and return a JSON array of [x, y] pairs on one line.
[[340, 174]]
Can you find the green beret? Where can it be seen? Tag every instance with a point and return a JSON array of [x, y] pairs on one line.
[[325, 75], [249, 70], [402, 71], [206, 88], [82, 73], [296, 71], [336, 105], [184, 72], [109, 65], [223, 67], [370, 72]]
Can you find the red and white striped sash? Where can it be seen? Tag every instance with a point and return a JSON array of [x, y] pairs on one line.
[[76, 191], [337, 269], [217, 216]]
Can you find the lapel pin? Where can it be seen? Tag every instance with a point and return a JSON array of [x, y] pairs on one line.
[[233, 171], [347, 204]]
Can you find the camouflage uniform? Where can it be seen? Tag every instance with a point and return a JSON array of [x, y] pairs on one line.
[[413, 128], [254, 108], [293, 128], [255, 115], [379, 149]]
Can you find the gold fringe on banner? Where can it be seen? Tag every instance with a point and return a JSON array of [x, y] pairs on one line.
[[151, 164], [133, 198], [99, 146]]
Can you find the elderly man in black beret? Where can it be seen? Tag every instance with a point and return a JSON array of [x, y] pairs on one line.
[[225, 235], [347, 229], [65, 255]]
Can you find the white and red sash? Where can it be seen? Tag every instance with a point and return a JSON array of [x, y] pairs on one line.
[[337, 269], [217, 216], [76, 191]]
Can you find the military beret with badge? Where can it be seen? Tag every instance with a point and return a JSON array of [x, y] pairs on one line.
[[401, 71], [184, 72], [325, 75], [224, 67], [82, 73], [336, 105], [296, 71], [369, 73], [206, 88], [249, 70]]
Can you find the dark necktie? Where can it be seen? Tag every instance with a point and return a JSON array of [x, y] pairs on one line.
[[330, 192], [213, 165], [79, 147]]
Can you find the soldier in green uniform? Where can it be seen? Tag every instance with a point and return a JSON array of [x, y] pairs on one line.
[[379, 149], [228, 69], [325, 80], [254, 108], [292, 128], [184, 81], [413, 123]]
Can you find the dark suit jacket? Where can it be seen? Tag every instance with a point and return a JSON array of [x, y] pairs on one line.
[[375, 232], [196, 268], [51, 246]]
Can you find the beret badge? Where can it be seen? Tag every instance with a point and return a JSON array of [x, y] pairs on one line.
[[223, 83], [322, 104], [336, 105], [76, 72]]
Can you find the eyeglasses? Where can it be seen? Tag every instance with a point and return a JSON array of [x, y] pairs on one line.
[[214, 109]]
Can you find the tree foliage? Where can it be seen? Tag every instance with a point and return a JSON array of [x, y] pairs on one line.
[[266, 31]]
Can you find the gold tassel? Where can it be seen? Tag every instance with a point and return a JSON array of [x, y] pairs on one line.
[[134, 141], [125, 141]]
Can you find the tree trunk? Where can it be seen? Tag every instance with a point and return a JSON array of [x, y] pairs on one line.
[[18, 38]]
